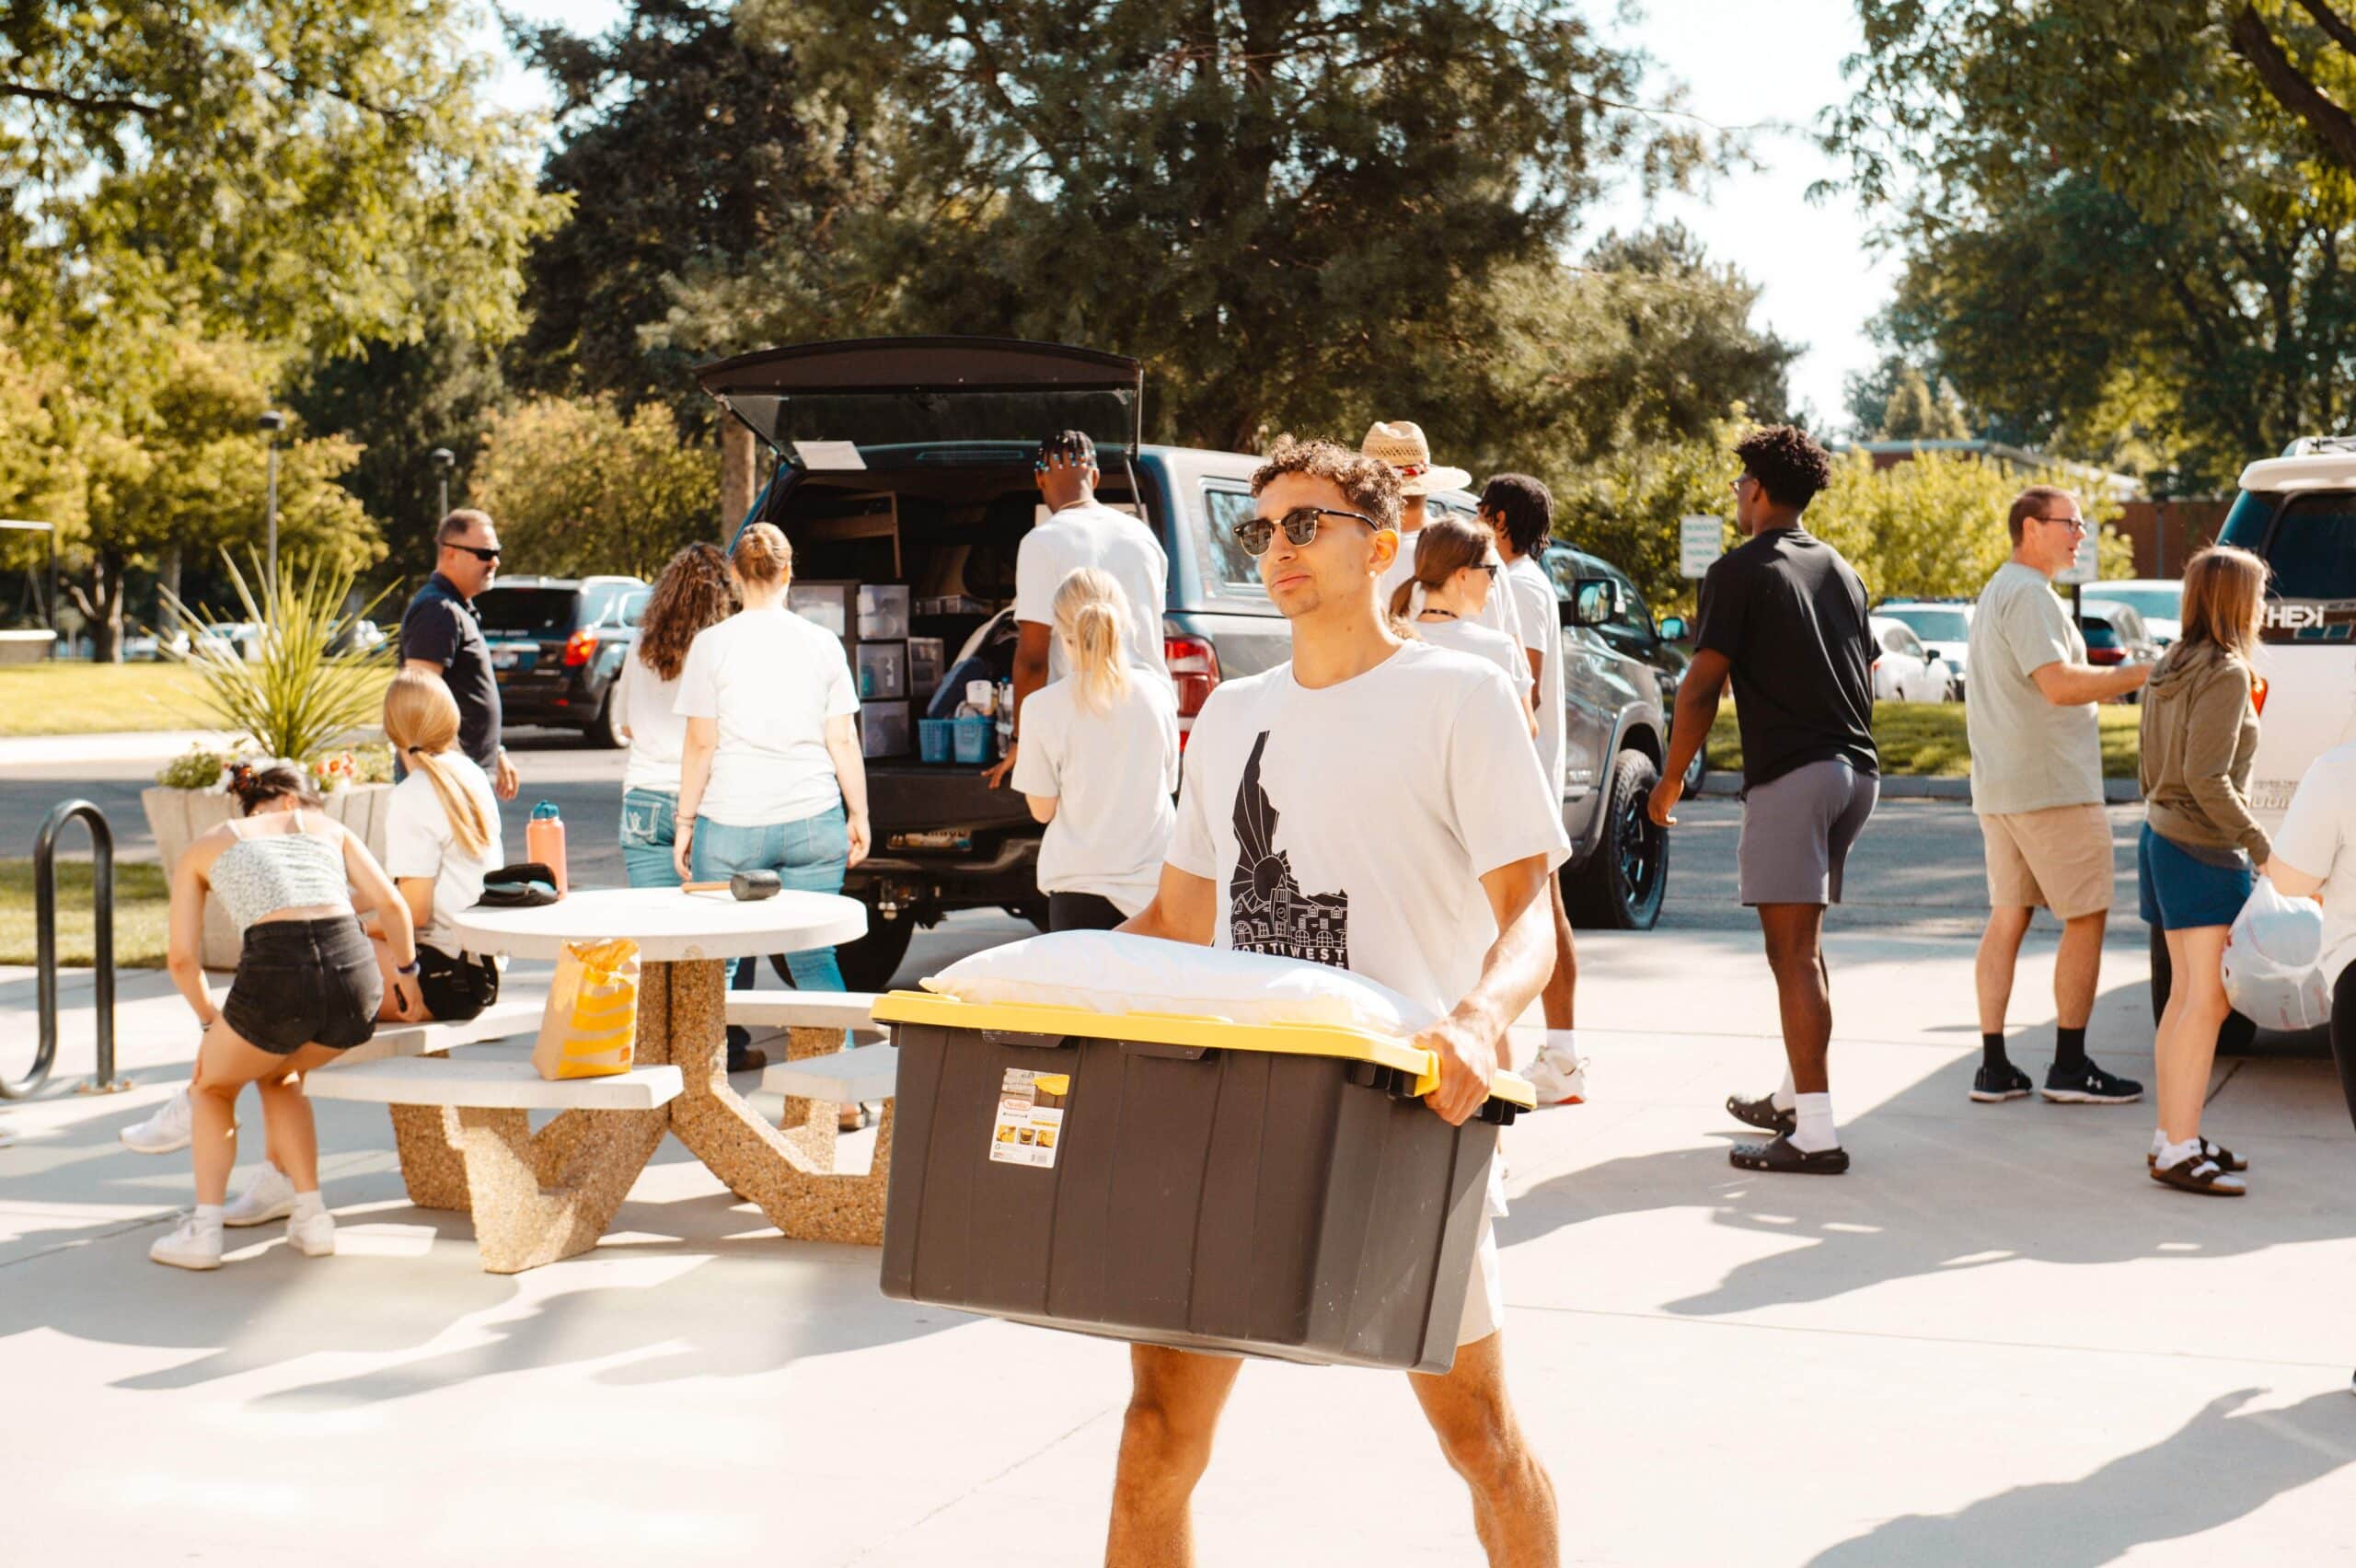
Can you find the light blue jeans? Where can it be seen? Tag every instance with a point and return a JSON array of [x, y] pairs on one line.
[[809, 855], [648, 832]]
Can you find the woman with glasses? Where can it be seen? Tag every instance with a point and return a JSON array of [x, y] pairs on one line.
[[2195, 863], [1446, 594]]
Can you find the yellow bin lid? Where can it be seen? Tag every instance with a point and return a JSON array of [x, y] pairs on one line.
[[1204, 1030]]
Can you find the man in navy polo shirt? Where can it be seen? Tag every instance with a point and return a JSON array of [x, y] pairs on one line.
[[442, 636]]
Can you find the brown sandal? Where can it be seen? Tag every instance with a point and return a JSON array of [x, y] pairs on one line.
[[2198, 1173], [2226, 1158]]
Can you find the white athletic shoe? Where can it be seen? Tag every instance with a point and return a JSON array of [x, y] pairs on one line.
[[270, 1195], [1559, 1078], [188, 1246], [315, 1236], [168, 1131]]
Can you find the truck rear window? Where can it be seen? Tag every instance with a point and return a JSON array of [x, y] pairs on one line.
[[2311, 545], [528, 612]]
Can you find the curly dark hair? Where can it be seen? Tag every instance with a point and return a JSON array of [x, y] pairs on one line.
[[1525, 507], [694, 591], [1370, 484], [256, 787], [1787, 463]]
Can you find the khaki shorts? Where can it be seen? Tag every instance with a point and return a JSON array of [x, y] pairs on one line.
[[1484, 1299], [2058, 858]]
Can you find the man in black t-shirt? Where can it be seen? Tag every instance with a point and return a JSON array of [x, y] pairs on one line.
[[1785, 616], [441, 637]]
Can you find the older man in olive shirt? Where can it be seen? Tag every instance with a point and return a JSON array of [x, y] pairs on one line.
[[441, 637], [2037, 786]]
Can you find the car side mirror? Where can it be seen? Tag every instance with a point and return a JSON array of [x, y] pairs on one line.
[[1673, 630], [1594, 601]]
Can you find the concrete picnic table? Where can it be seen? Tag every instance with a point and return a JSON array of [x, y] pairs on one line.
[[570, 1176]]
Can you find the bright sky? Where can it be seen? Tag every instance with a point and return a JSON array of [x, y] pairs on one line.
[[1820, 283]]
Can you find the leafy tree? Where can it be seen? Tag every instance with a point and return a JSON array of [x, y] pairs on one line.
[[577, 488], [276, 170], [1300, 214], [2119, 245], [1914, 412], [678, 133]]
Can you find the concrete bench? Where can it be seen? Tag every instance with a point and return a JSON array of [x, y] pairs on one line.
[[533, 1200], [816, 1078], [871, 1072], [497, 1022], [815, 1010]]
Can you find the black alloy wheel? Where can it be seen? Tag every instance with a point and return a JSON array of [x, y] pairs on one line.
[[1628, 878]]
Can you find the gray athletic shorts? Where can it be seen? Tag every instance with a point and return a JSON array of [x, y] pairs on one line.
[[1796, 831]]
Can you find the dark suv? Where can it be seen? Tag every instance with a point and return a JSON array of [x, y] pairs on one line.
[[940, 498], [556, 645]]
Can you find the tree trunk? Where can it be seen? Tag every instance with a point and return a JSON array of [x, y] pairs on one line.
[[736, 475], [102, 607]]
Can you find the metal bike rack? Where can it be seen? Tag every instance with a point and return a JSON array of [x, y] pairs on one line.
[[103, 1081]]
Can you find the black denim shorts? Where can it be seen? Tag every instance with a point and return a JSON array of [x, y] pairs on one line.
[[305, 982]]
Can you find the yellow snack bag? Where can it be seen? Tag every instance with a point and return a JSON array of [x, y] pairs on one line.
[[591, 1019]]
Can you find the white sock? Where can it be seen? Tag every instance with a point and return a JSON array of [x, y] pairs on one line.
[[2177, 1153], [208, 1217], [1781, 1098], [307, 1205], [2159, 1140], [1562, 1045], [1815, 1131]]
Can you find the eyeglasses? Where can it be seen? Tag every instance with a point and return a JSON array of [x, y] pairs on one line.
[[2075, 524], [1257, 533], [1490, 567], [475, 550]]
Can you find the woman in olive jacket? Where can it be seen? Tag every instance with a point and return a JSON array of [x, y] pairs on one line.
[[2197, 859]]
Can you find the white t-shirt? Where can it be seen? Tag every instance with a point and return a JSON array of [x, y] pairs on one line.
[[1113, 775], [1351, 825], [1497, 615], [1095, 534], [1541, 617], [420, 842], [2318, 837], [772, 680], [647, 705], [1470, 636]]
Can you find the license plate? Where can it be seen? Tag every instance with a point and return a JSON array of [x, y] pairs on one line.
[[513, 658], [938, 838]]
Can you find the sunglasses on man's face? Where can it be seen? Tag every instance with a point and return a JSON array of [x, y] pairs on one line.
[[1257, 533], [488, 557]]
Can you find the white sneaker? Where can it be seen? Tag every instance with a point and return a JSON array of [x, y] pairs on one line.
[[315, 1236], [270, 1195], [188, 1246], [171, 1129], [1558, 1076]]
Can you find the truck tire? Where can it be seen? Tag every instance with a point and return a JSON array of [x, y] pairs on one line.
[[1623, 882], [868, 963], [2234, 1036]]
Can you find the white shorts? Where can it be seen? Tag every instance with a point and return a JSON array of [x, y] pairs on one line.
[[1485, 1299]]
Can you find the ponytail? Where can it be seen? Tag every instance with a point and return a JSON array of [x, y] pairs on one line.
[[1445, 546], [464, 811], [421, 721], [1092, 616]]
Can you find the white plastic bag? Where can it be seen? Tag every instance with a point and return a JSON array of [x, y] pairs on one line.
[[2273, 969]]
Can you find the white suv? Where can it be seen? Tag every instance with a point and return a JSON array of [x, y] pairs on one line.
[[2298, 512]]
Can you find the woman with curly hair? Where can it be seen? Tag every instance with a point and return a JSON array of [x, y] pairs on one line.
[[694, 591]]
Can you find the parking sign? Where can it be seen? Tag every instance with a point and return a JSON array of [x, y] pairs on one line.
[[1700, 541]]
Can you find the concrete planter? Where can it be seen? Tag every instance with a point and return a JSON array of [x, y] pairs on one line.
[[180, 817]]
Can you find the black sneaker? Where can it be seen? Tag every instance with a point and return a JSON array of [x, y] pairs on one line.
[[1781, 1156], [1762, 1114], [2007, 1082], [2089, 1085]]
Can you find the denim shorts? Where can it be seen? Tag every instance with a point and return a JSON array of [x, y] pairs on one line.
[[305, 982], [2180, 889]]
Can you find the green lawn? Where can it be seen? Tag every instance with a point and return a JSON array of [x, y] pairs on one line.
[[141, 900], [69, 698], [1925, 740]]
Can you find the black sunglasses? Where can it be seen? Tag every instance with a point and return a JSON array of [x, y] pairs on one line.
[[1257, 533], [475, 550]]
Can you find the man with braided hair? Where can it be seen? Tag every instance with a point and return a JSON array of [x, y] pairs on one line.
[[1079, 530]]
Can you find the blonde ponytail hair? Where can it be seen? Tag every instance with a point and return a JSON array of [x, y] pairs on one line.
[[1092, 617], [421, 721]]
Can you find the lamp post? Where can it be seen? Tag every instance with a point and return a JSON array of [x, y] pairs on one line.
[[443, 461], [271, 423]]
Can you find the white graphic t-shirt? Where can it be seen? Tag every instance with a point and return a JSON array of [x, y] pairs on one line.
[[1540, 612], [772, 680], [1351, 825], [1092, 534]]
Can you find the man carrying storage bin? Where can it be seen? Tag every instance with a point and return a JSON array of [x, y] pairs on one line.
[[1375, 806]]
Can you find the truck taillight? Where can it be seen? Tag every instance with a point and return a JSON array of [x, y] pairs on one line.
[[1194, 670], [580, 648]]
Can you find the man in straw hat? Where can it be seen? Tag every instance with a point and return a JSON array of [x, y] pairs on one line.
[[1445, 905], [1401, 446]]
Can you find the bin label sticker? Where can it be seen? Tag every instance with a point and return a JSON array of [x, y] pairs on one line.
[[1030, 1123]]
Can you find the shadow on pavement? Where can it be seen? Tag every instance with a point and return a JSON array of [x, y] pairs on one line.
[[2219, 1466]]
